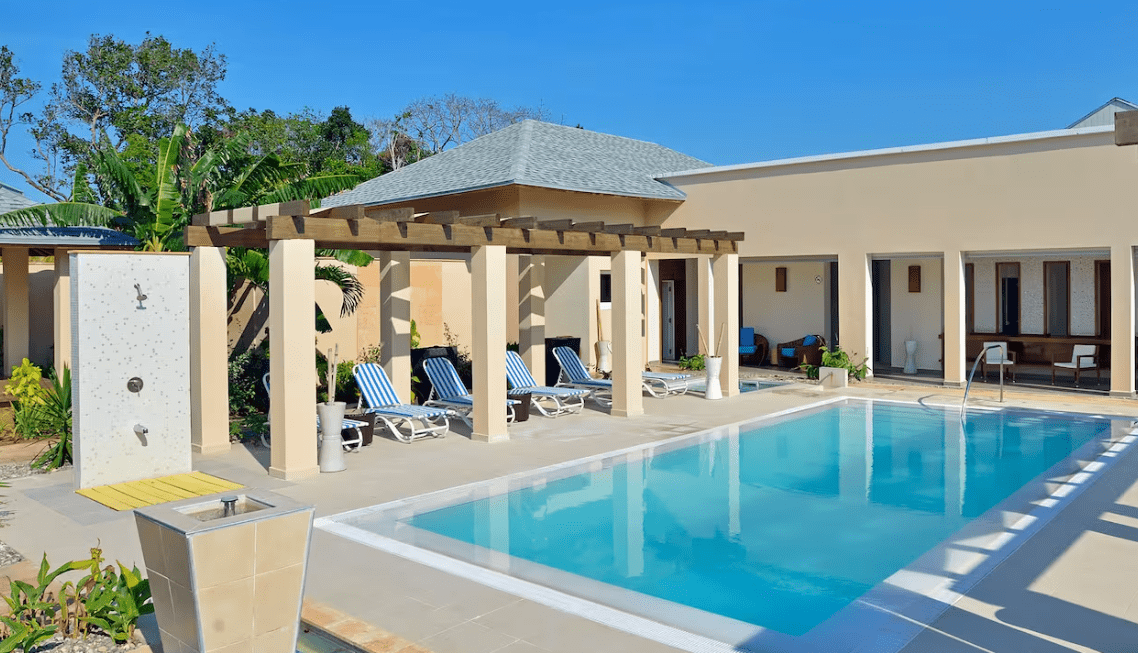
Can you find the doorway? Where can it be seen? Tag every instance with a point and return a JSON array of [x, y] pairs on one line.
[[882, 309], [668, 320], [1008, 311], [1102, 299]]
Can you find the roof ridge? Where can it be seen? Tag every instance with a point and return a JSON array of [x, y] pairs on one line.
[[521, 156]]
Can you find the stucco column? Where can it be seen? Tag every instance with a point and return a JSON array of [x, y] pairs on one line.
[[705, 292], [955, 333], [627, 395], [395, 320], [61, 302], [652, 318], [292, 363], [488, 312], [209, 352], [16, 334], [1122, 320], [531, 314], [726, 269], [855, 305]]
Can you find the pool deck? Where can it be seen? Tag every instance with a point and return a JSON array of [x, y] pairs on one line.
[[1073, 586]]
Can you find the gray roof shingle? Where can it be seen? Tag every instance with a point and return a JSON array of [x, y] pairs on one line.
[[12, 199], [532, 153]]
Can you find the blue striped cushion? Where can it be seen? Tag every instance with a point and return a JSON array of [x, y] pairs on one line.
[[375, 386], [445, 379], [516, 371], [408, 410], [572, 365]]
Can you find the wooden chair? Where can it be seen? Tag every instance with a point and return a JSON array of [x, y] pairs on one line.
[[1083, 357], [752, 347]]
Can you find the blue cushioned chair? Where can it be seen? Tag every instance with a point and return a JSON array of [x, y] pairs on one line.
[[807, 349], [752, 347]]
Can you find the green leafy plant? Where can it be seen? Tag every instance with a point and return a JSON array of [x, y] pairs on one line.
[[246, 392], [106, 599], [55, 419], [24, 386], [835, 357], [415, 337], [693, 362], [346, 389]]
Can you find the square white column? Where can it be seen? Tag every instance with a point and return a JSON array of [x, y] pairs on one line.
[[209, 352], [628, 358], [855, 305], [531, 314], [726, 272], [16, 333], [488, 275], [1122, 320], [292, 363], [395, 320]]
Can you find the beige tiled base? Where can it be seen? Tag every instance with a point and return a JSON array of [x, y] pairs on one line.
[[357, 633]]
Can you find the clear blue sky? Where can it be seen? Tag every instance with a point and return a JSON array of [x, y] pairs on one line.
[[725, 82]]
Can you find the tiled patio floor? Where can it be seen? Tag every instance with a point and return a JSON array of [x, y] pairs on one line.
[[1073, 586]]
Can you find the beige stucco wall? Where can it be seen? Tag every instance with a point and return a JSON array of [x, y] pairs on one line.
[[784, 316], [41, 313], [917, 315]]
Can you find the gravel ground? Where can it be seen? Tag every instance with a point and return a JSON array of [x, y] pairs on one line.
[[20, 470], [8, 555], [92, 644]]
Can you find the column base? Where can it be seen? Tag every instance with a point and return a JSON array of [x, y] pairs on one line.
[[482, 437], [620, 412], [1121, 394], [294, 474], [210, 449], [959, 385]]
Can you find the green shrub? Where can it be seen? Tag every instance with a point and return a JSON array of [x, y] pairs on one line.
[[693, 362], [24, 386], [246, 391], [346, 389], [835, 357], [54, 419]]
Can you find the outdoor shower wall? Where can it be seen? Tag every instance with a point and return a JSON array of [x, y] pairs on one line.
[[120, 333]]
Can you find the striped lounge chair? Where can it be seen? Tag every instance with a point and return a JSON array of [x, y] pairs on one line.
[[449, 392], [405, 422], [551, 402], [574, 375], [350, 444]]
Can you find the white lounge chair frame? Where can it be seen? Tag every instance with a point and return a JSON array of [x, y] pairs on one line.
[[551, 402], [574, 375], [449, 392], [405, 422], [350, 444]]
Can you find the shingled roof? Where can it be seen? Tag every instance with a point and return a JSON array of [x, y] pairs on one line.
[[12, 199], [532, 153]]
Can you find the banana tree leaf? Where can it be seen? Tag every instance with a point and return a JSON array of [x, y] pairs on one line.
[[350, 256], [61, 214]]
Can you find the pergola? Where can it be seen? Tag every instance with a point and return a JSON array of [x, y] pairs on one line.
[[291, 233]]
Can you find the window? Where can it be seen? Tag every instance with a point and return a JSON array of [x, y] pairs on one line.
[[606, 288], [1057, 297]]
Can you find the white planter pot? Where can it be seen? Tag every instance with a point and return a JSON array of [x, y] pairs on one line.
[[833, 377], [331, 444], [712, 364], [604, 356], [910, 357]]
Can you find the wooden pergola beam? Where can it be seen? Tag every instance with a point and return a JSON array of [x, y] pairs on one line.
[[414, 236]]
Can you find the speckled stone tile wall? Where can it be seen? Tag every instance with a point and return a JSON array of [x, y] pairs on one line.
[[118, 336]]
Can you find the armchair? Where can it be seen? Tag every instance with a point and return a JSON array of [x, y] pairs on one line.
[[806, 349]]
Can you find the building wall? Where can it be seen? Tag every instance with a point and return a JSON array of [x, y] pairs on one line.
[[917, 315], [783, 316], [41, 313], [1082, 300]]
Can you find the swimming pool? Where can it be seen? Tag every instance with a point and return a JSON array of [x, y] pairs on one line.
[[772, 533], [745, 385]]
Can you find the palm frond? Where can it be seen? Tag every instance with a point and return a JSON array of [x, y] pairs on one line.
[[350, 256], [61, 214], [266, 173], [312, 187], [349, 285], [112, 168]]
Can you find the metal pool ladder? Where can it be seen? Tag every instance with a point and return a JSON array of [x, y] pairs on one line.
[[968, 386]]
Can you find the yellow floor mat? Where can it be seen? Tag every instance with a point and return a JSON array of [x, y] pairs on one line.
[[147, 492]]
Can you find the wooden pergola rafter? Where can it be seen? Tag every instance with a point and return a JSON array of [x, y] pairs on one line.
[[362, 227]]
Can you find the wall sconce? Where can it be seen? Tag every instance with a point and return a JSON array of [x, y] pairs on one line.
[[780, 279], [914, 278]]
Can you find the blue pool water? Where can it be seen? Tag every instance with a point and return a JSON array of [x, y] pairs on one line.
[[782, 524]]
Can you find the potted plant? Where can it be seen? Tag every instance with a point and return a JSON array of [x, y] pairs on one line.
[[836, 368], [712, 365], [331, 414]]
